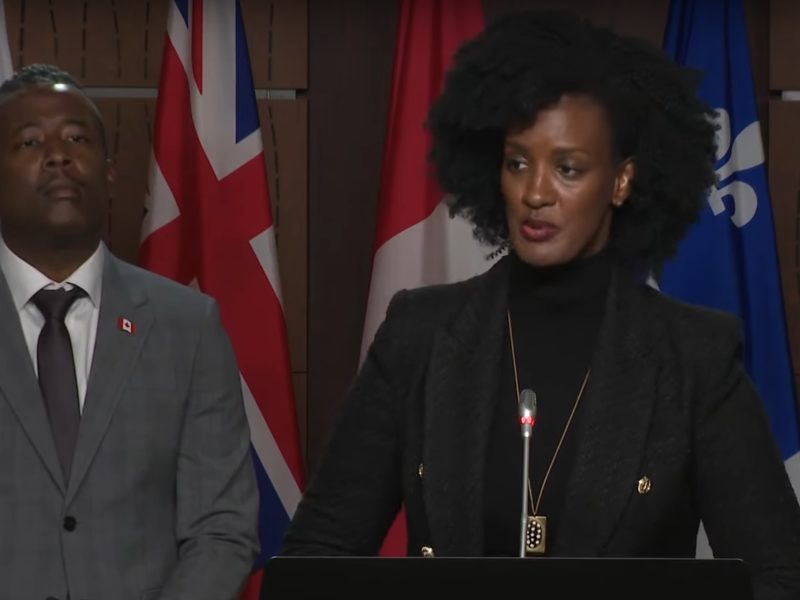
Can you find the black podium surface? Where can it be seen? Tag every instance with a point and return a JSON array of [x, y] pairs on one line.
[[377, 578]]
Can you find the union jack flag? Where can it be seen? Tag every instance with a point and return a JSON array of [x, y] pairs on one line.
[[209, 224]]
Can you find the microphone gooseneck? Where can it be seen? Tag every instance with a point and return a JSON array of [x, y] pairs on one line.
[[527, 419]]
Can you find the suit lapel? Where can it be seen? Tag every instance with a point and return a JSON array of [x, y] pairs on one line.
[[613, 428], [461, 388], [20, 387], [115, 355]]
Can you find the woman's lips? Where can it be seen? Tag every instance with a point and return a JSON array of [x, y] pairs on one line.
[[538, 231]]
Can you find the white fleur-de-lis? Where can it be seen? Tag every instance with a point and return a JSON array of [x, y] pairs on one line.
[[746, 153]]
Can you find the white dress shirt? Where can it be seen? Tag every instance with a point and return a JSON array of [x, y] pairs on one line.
[[25, 280]]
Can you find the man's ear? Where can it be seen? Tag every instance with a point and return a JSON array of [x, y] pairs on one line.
[[111, 172]]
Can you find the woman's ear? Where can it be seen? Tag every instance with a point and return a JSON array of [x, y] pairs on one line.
[[623, 182]]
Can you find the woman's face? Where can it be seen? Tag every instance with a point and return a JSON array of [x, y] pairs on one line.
[[560, 183]]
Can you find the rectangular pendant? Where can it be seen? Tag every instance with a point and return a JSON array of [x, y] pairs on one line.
[[535, 535]]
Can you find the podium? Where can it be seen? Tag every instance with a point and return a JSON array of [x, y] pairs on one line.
[[545, 578]]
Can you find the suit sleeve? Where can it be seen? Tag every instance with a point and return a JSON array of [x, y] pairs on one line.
[[216, 493], [355, 491], [746, 501]]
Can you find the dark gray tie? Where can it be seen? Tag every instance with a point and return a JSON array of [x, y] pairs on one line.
[[56, 366]]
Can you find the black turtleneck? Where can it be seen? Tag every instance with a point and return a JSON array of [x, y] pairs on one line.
[[555, 314]]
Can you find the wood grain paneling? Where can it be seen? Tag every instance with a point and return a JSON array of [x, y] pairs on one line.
[[285, 134], [120, 43], [101, 42], [351, 47], [784, 44], [784, 183], [642, 18], [277, 34], [129, 132], [300, 385]]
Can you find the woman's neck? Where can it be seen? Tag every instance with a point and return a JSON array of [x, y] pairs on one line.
[[583, 280]]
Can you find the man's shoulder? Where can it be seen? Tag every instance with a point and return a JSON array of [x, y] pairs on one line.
[[166, 295]]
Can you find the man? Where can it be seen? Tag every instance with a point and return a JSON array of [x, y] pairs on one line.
[[125, 470]]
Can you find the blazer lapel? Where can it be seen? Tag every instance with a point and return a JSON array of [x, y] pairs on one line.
[[115, 355], [20, 387], [613, 429], [460, 392]]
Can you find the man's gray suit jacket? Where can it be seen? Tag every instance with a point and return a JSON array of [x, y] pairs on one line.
[[161, 501]]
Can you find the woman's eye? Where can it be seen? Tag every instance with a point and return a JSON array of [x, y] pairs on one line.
[[514, 164]]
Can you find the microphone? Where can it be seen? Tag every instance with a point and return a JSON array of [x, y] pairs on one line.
[[527, 419]]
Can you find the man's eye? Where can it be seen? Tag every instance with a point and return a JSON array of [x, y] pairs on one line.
[[569, 171]]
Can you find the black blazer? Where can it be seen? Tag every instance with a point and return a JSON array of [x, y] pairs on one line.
[[668, 399]]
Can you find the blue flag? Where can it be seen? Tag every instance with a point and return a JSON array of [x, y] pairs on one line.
[[729, 259]]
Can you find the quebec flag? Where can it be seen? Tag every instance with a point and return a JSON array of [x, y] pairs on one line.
[[729, 259]]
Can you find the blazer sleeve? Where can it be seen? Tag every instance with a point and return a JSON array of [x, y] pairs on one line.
[[355, 491], [216, 493], [746, 501]]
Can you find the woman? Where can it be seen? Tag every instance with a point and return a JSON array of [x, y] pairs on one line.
[[587, 155]]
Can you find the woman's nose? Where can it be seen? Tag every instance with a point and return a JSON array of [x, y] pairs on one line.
[[539, 189]]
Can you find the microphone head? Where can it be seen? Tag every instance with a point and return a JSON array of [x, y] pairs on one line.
[[527, 411]]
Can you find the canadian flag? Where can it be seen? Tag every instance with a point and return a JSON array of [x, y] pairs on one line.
[[126, 325], [416, 241]]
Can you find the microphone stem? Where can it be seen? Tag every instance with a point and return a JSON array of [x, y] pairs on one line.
[[526, 441]]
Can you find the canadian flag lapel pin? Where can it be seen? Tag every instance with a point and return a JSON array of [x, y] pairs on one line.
[[126, 325]]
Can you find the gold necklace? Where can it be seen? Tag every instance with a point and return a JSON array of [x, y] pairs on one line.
[[536, 527]]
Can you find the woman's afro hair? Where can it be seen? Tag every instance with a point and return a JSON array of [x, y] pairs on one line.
[[526, 61]]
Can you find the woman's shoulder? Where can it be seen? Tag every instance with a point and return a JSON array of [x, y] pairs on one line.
[[694, 323], [431, 305], [413, 318]]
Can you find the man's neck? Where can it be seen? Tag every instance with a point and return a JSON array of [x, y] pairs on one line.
[[56, 262]]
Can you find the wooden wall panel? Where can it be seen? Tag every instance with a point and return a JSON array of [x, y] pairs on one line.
[[129, 133], [784, 183], [285, 133], [120, 43], [758, 24], [101, 42], [782, 158], [277, 34], [351, 48], [784, 44], [643, 18], [300, 385]]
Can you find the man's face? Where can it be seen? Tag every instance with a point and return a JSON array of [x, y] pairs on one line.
[[54, 173]]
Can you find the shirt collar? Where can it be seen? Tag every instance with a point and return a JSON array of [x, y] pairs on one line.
[[24, 280]]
